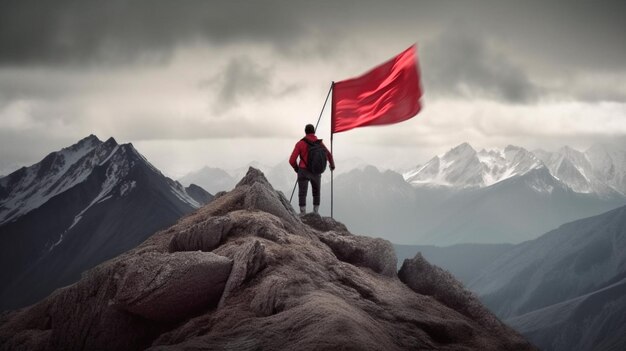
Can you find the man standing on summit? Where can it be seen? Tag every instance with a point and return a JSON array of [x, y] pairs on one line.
[[313, 157]]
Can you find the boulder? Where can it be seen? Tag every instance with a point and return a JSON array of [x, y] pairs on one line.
[[203, 236], [323, 224], [374, 253], [171, 287]]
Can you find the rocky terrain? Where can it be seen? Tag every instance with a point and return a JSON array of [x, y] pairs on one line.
[[246, 273]]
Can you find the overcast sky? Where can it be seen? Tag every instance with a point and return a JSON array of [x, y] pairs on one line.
[[194, 83]]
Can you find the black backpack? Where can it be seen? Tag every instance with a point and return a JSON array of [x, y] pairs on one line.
[[316, 158]]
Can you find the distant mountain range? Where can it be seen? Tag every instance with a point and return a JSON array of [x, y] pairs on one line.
[[76, 208], [575, 259], [462, 196], [465, 196], [215, 180], [600, 170], [565, 290], [281, 175]]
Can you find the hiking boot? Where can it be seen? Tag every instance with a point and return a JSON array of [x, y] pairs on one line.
[[316, 209], [302, 210]]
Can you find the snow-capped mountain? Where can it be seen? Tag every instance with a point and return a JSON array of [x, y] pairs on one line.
[[464, 167], [600, 170], [609, 165], [77, 207]]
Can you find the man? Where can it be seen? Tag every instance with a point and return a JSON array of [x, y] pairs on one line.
[[310, 172]]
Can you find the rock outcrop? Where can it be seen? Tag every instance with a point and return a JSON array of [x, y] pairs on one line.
[[246, 273], [430, 280]]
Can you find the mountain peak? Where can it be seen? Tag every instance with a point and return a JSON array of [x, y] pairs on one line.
[[462, 148], [87, 143], [254, 176], [90, 138], [510, 148], [111, 141], [247, 255]]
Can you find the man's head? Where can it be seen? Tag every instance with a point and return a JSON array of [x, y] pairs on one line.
[[309, 129]]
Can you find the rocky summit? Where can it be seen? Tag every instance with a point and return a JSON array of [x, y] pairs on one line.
[[245, 272]]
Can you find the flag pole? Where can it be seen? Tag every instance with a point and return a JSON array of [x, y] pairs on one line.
[[332, 178], [332, 133], [318, 122]]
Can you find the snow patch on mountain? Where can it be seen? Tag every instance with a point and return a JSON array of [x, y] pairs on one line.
[[118, 169], [464, 167], [127, 187]]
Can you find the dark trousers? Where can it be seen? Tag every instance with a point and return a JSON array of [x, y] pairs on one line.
[[304, 177]]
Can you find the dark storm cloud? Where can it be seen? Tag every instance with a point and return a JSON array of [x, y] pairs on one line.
[[459, 62], [567, 34], [33, 32], [579, 34]]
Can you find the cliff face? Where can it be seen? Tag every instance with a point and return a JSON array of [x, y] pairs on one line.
[[246, 273]]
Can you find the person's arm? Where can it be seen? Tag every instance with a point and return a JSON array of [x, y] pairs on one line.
[[329, 156], [294, 157]]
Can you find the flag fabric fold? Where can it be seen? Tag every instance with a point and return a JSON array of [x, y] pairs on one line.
[[389, 93]]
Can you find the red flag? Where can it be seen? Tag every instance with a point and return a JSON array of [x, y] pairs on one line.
[[389, 93]]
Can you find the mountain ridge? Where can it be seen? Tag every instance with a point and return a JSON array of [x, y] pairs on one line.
[[245, 272]]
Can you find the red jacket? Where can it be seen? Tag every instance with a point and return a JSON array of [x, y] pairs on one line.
[[302, 149]]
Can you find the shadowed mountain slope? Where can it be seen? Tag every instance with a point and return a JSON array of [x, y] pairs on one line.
[[576, 259], [76, 208], [595, 321], [246, 273]]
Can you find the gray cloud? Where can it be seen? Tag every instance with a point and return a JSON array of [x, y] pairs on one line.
[[566, 35], [118, 31], [14, 154], [579, 35], [241, 78], [459, 62]]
